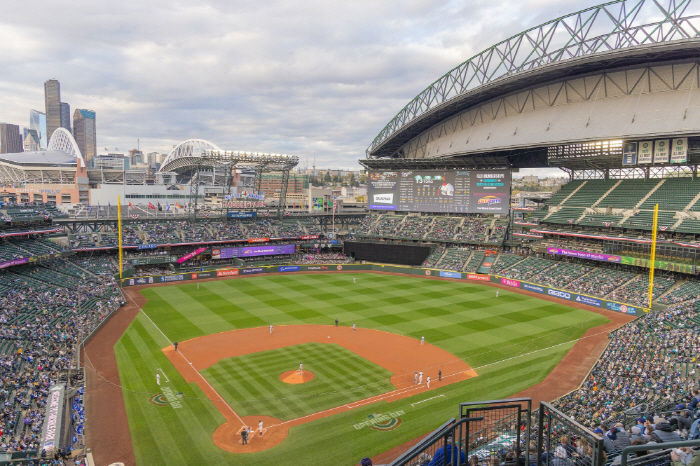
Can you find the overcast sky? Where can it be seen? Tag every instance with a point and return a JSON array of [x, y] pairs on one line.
[[312, 78]]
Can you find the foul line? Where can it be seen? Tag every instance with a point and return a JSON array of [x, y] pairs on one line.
[[427, 399], [187, 360], [163, 372]]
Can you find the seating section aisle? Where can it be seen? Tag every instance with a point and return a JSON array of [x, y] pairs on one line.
[[636, 291], [561, 274], [689, 289], [414, 227], [601, 281], [454, 259]]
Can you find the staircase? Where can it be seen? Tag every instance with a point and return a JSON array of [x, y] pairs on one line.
[[624, 284], [651, 191], [572, 193], [606, 193], [692, 203]]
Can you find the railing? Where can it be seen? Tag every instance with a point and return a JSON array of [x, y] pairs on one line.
[[559, 435], [663, 453]]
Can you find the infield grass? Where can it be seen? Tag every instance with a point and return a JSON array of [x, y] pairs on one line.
[[512, 341]]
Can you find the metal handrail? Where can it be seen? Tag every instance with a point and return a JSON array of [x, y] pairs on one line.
[[656, 446]]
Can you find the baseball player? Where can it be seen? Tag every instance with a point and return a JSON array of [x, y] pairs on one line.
[[157, 378], [353, 280], [197, 285], [440, 375], [353, 327], [422, 340], [260, 427], [497, 291], [301, 369], [420, 377], [415, 378], [270, 329], [428, 382]]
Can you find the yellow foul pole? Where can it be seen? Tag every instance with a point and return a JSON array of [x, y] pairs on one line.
[[652, 257], [119, 226]]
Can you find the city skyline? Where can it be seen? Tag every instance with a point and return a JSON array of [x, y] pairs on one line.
[[305, 79]]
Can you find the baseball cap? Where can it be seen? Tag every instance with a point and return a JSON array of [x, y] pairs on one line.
[[598, 430], [366, 462], [641, 419], [680, 406]]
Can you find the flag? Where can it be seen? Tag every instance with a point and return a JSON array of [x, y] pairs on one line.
[[159, 207], [266, 213], [89, 207], [131, 206], [150, 204], [109, 205], [663, 228], [134, 215], [167, 206], [571, 220], [607, 224], [287, 213], [178, 205]]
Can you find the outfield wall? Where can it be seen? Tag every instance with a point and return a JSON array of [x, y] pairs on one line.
[[564, 295]]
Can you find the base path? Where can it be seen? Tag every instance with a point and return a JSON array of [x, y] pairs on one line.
[[398, 354]]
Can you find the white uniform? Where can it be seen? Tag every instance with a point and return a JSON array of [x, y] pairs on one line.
[[420, 377], [260, 427], [197, 285], [270, 329], [428, 382], [353, 280], [353, 326], [301, 368], [422, 340], [497, 293], [158, 378]]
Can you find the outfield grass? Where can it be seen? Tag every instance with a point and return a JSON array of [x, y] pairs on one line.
[[251, 383], [513, 342]]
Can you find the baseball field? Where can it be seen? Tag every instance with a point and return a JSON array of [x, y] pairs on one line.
[[358, 397]]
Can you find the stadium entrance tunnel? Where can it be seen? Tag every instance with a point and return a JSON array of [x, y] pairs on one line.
[[402, 356]]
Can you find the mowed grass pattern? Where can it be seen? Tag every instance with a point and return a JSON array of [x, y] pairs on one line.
[[251, 383], [513, 342]]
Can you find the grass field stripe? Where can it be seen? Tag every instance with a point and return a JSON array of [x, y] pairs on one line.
[[189, 363], [166, 377]]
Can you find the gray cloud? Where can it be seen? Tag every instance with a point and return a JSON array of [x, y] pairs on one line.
[[311, 78]]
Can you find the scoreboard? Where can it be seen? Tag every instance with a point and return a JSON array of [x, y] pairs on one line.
[[446, 191]]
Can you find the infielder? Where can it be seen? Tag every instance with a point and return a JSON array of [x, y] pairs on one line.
[[428, 382], [270, 329], [301, 369], [353, 326], [157, 378], [260, 427], [420, 377], [415, 378], [422, 340]]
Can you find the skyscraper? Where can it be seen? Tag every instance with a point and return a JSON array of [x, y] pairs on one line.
[[10, 139], [85, 132], [31, 141], [65, 116], [37, 122], [52, 99]]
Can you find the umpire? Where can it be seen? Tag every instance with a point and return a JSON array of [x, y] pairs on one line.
[[244, 436]]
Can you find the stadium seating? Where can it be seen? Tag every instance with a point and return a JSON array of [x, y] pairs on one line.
[[527, 269], [414, 227], [561, 274], [435, 255], [503, 261], [563, 193], [689, 289], [475, 261], [636, 290], [627, 193], [444, 228], [589, 193], [565, 215], [454, 259], [601, 281]]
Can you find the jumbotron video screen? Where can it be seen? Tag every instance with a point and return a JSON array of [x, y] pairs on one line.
[[448, 191]]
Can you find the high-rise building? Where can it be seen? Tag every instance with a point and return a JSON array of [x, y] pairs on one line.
[[37, 122], [10, 139], [65, 116], [52, 99], [85, 132], [31, 141]]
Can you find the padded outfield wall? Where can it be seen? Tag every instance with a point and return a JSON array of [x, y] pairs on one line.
[[564, 295]]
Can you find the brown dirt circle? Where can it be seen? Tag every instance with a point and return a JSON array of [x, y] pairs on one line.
[[294, 377]]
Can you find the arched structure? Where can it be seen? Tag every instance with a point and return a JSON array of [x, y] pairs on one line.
[[62, 140], [595, 41], [184, 153]]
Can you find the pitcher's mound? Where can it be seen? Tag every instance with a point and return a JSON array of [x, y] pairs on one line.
[[295, 377]]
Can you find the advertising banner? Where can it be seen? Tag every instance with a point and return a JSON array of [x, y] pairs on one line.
[[23, 260], [226, 273], [629, 153], [290, 268], [559, 293], [622, 308], [54, 418], [171, 278], [140, 281], [509, 282], [148, 246], [584, 255], [663, 265], [317, 203], [661, 151], [679, 150], [450, 191], [241, 214], [474, 276], [252, 270], [646, 152], [310, 237], [316, 268], [258, 240], [201, 275], [446, 274], [190, 255], [535, 288], [252, 251], [588, 300]]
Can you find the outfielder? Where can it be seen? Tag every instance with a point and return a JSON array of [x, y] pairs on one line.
[[157, 378]]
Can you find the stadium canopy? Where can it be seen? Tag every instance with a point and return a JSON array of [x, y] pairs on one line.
[[612, 35]]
